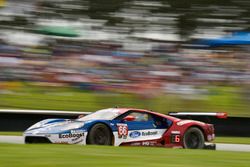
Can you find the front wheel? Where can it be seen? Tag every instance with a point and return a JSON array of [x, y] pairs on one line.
[[193, 139], [99, 134]]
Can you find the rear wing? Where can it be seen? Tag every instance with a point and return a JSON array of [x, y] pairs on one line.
[[221, 115], [207, 117]]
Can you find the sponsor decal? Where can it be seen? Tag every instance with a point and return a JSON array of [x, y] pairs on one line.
[[150, 143], [70, 135], [175, 132], [149, 133], [77, 142], [77, 131], [144, 143], [135, 134], [136, 144], [75, 139], [122, 130]]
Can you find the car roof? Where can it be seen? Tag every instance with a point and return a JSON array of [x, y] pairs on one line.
[[123, 110]]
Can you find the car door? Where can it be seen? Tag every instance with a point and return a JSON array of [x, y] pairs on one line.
[[137, 128]]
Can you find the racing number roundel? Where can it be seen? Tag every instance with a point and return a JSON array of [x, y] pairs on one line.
[[122, 130]]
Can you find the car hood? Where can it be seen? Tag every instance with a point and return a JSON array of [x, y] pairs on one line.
[[54, 126]]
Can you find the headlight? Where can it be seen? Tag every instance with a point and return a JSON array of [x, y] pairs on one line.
[[73, 125], [37, 125]]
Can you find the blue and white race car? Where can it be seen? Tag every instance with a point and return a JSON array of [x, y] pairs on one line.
[[122, 126]]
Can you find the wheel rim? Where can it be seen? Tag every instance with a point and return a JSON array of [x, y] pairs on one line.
[[100, 137], [193, 140]]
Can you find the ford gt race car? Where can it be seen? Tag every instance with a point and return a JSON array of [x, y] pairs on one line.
[[123, 127]]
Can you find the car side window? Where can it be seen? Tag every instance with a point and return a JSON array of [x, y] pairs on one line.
[[141, 117], [135, 116], [161, 122]]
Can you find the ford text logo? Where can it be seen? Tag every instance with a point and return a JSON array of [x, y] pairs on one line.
[[135, 134]]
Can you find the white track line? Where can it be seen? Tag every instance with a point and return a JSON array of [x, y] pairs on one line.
[[233, 147], [12, 139]]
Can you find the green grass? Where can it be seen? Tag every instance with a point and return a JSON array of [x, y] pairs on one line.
[[238, 140], [11, 133], [29, 96], [13, 155]]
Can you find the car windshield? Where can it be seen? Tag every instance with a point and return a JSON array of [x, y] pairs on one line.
[[105, 114]]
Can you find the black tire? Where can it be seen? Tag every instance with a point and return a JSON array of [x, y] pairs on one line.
[[193, 139], [99, 134]]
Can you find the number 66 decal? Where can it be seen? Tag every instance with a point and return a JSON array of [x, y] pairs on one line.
[[122, 130]]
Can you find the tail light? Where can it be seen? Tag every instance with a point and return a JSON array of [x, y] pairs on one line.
[[210, 134], [211, 128]]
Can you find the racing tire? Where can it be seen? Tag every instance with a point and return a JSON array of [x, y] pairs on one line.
[[193, 139], [99, 134]]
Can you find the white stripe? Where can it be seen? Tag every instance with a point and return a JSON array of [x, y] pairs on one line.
[[195, 113]]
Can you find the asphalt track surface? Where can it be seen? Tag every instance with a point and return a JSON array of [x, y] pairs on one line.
[[219, 146]]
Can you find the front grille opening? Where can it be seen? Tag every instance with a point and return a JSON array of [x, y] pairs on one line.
[[31, 139]]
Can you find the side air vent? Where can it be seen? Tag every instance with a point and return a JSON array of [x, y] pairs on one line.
[[31, 139]]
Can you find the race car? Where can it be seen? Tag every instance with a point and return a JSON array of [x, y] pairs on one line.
[[123, 127]]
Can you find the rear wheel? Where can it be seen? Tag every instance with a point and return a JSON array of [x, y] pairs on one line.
[[99, 134], [193, 138]]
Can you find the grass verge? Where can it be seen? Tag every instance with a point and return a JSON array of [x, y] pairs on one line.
[[12, 155], [11, 133], [218, 99], [237, 140]]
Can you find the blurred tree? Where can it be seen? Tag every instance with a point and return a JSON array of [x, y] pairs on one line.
[[190, 14], [2, 3]]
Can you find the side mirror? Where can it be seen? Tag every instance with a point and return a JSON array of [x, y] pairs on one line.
[[129, 118]]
